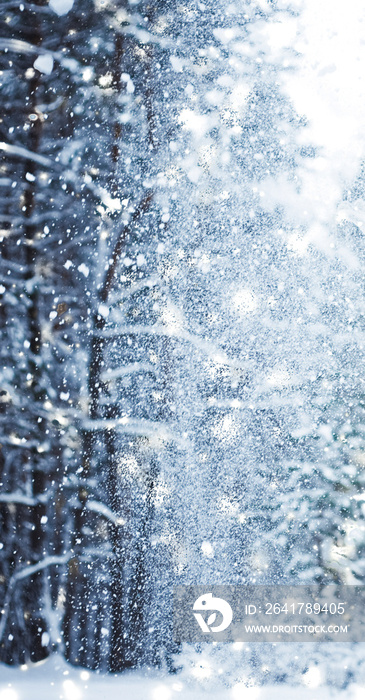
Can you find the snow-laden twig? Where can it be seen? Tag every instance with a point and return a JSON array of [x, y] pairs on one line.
[[112, 374], [132, 426], [22, 499], [127, 292], [19, 46], [105, 511], [20, 443], [25, 153], [145, 37], [25, 47], [214, 352]]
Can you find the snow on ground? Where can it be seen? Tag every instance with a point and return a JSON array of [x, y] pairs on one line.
[[54, 679]]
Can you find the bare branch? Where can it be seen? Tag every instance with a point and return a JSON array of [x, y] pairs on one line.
[[110, 274]]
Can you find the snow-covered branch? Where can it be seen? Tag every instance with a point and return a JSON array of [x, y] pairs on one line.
[[112, 374], [214, 352], [105, 511], [159, 431], [21, 499], [21, 152]]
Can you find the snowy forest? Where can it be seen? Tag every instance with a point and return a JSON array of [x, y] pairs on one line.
[[182, 208]]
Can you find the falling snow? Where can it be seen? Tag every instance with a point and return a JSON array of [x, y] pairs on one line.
[[182, 339]]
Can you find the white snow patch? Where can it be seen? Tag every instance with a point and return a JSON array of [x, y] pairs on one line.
[[113, 204], [44, 64], [61, 7], [103, 310], [313, 677], [195, 173], [242, 692], [45, 639], [84, 269], [226, 35], [177, 64], [8, 694], [244, 302], [71, 690], [207, 549], [198, 124]]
